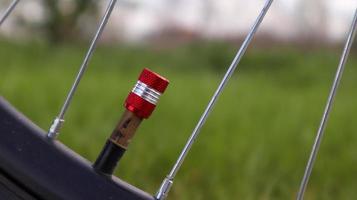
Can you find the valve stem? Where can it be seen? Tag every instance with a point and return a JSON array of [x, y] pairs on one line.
[[139, 105]]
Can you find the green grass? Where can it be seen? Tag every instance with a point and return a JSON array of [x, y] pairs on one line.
[[255, 144]]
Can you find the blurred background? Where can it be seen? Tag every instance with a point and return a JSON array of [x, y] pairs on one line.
[[255, 144]]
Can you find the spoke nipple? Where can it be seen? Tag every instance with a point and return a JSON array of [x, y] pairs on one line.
[[55, 128], [164, 189]]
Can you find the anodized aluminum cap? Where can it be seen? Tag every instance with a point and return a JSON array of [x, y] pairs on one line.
[[145, 95]]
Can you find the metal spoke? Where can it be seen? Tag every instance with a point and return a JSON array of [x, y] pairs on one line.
[[168, 181], [8, 11], [59, 120], [321, 130]]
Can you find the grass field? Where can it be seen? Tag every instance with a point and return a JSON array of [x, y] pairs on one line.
[[255, 144]]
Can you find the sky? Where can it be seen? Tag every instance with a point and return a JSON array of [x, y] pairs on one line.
[[287, 18], [135, 20]]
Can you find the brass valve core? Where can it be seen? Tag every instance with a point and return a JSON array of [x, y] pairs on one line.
[[125, 129]]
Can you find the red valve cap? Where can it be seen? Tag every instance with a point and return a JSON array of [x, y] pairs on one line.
[[146, 93]]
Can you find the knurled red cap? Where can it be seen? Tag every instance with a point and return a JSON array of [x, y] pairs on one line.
[[143, 98], [154, 80]]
